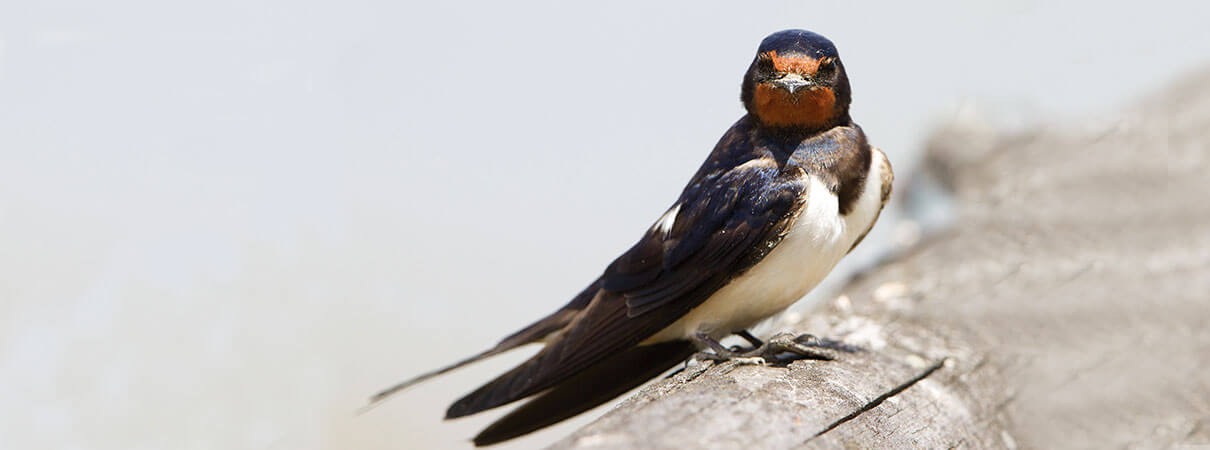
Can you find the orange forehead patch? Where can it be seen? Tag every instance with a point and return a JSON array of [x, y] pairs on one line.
[[794, 63]]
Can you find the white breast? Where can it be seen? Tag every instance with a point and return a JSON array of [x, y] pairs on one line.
[[816, 241]]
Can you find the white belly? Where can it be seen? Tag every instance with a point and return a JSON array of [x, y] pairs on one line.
[[816, 241]]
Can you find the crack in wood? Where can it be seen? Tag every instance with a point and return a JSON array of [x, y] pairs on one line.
[[881, 398]]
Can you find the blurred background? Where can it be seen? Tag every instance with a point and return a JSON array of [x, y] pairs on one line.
[[226, 224]]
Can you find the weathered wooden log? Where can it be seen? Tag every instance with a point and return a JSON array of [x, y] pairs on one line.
[[1068, 306]]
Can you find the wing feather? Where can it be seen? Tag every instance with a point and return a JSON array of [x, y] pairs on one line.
[[724, 222]]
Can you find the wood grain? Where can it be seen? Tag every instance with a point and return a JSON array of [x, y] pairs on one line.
[[1068, 306]]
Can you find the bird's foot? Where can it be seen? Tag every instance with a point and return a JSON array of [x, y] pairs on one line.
[[803, 346], [740, 358], [782, 348]]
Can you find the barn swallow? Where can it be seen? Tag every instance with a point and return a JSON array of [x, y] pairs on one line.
[[791, 188]]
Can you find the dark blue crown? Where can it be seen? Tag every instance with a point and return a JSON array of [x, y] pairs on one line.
[[799, 41]]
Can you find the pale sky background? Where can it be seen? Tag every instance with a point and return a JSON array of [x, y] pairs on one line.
[[224, 224]]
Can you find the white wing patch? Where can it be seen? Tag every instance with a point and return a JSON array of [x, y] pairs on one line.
[[664, 225]]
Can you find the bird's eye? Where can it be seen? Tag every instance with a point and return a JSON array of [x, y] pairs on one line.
[[764, 62], [827, 68]]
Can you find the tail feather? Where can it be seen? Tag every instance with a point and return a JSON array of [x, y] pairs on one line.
[[382, 395], [535, 332], [598, 384]]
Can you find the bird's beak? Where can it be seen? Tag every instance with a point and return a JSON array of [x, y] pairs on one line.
[[792, 82]]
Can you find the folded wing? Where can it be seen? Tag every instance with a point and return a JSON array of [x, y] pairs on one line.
[[724, 222]]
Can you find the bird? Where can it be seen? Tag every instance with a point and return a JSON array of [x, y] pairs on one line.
[[791, 188]]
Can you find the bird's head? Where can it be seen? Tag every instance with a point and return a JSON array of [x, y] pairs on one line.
[[797, 82]]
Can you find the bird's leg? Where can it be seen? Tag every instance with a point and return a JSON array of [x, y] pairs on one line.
[[721, 354], [755, 341], [705, 341]]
